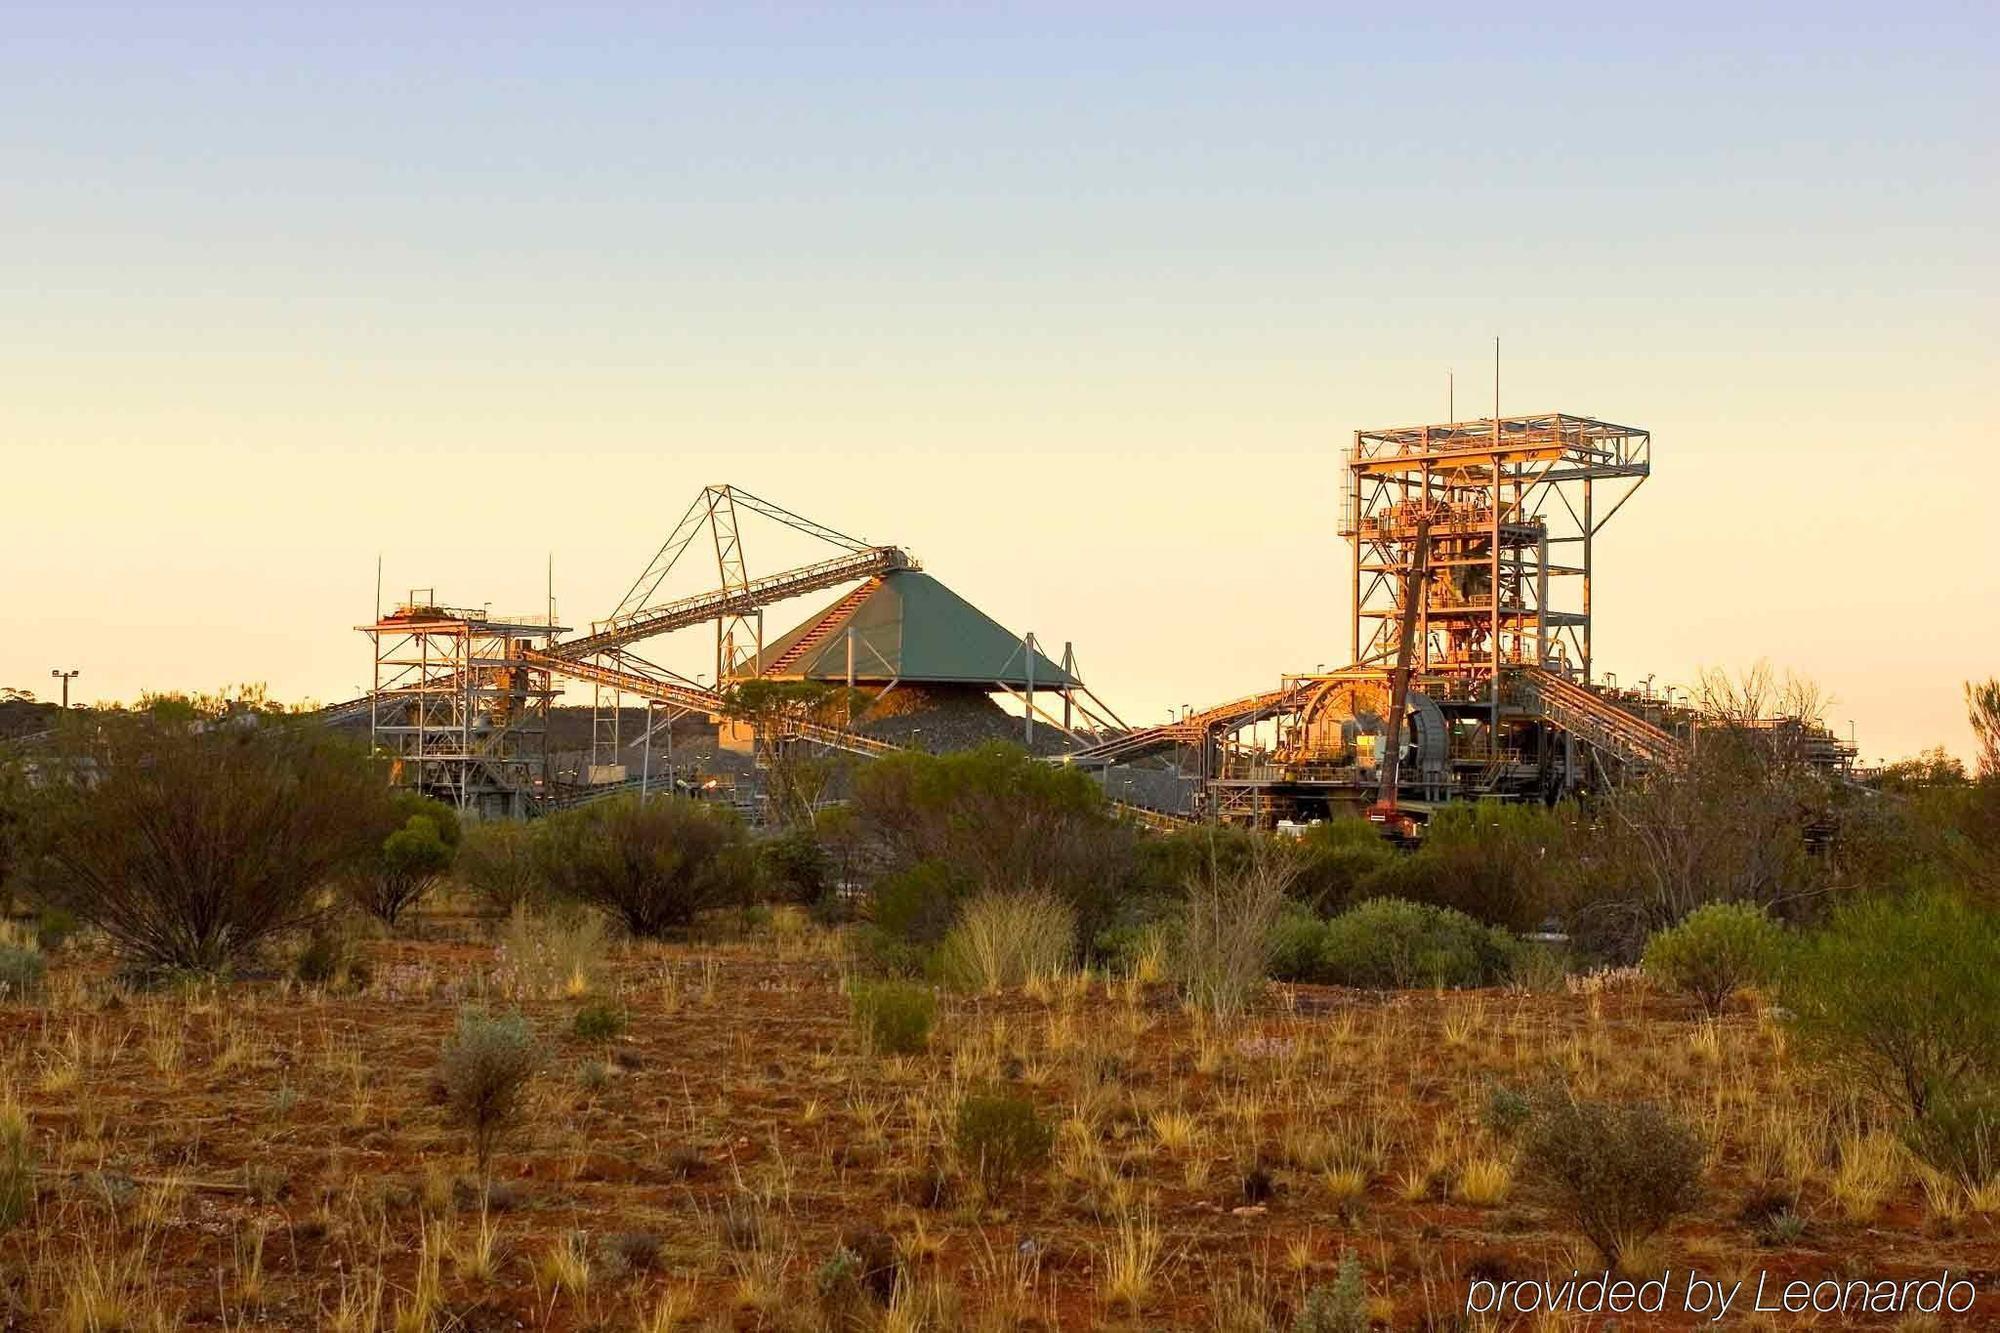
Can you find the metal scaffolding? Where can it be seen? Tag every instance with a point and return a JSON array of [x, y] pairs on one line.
[[1502, 517], [460, 705]]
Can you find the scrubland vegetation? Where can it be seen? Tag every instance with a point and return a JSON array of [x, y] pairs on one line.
[[966, 1052]]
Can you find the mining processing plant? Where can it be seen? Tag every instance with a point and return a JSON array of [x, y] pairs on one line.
[[1473, 546]]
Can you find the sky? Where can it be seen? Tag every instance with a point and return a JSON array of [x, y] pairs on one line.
[[1079, 303]]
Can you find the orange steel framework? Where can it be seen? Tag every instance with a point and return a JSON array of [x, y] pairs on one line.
[[1473, 545], [460, 699], [1512, 508], [1474, 548], [461, 706]]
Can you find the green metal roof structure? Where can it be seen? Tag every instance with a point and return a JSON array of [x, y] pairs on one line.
[[907, 627]]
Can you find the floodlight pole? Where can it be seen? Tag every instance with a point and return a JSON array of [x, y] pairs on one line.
[[66, 677]]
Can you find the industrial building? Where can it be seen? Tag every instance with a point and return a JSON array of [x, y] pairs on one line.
[[1473, 547]]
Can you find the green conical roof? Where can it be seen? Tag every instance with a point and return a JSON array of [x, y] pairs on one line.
[[909, 627]]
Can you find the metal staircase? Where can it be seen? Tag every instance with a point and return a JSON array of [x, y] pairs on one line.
[[1597, 721]]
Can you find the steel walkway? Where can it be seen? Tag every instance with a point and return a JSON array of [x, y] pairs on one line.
[[1597, 721]]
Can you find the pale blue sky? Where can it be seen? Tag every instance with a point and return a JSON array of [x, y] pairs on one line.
[[1082, 307]]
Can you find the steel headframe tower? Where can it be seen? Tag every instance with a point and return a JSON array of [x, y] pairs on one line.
[[1509, 509], [459, 705]]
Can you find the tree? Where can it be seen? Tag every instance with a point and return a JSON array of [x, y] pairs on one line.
[[1728, 824], [653, 864], [191, 840], [415, 851], [1982, 707], [1004, 821], [796, 779], [1901, 995], [14, 804]]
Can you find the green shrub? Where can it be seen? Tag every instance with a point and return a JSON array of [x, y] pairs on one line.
[[485, 1068], [1506, 1111], [1298, 941], [53, 927], [499, 860], [1389, 944], [1340, 1306], [1001, 1137], [1167, 862], [1715, 951], [879, 953], [1619, 1171], [1004, 820], [192, 848], [1539, 967], [1960, 1134], [1901, 995], [329, 957], [1004, 939], [599, 1021], [1337, 859], [1499, 863], [21, 972], [1132, 947], [797, 866], [414, 852], [653, 864], [918, 904], [894, 1017]]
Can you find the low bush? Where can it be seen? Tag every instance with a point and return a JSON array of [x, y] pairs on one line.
[[652, 864], [1902, 995], [1488, 859], [1389, 944], [192, 846], [598, 1021], [1001, 1138], [499, 860], [1004, 820], [1506, 1111], [419, 840], [1340, 1306], [1338, 859], [1005, 939], [894, 1017], [485, 1067], [1959, 1135], [1298, 940], [1619, 1171], [878, 953], [1539, 967], [330, 956], [53, 927], [797, 866], [1715, 951], [21, 972], [918, 905]]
